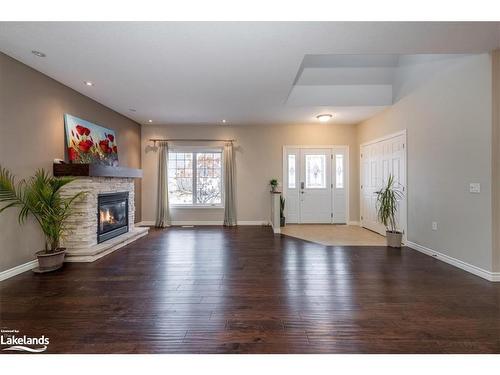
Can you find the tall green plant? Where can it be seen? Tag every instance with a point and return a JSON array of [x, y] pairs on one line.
[[282, 206], [387, 204], [40, 196]]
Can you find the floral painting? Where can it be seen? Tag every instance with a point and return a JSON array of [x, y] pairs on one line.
[[89, 143]]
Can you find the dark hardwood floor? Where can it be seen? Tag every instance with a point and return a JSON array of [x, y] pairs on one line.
[[245, 290]]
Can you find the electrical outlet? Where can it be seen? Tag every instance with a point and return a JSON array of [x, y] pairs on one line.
[[434, 225], [475, 187]]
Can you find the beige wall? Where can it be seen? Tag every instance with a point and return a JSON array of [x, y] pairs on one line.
[[446, 106], [258, 159], [32, 106]]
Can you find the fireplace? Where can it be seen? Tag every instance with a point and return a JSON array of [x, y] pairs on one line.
[[112, 215]]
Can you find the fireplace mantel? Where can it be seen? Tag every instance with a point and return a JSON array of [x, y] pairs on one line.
[[95, 170]]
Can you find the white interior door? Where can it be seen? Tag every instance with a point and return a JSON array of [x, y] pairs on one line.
[[370, 183], [379, 160], [315, 184]]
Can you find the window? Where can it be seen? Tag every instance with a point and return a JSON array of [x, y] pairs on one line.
[[195, 178], [208, 178], [339, 168], [291, 171], [315, 171]]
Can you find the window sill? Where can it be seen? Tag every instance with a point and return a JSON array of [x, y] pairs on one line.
[[192, 207]]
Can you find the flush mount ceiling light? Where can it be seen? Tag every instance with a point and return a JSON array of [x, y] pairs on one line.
[[132, 110], [324, 117], [38, 53], [88, 83]]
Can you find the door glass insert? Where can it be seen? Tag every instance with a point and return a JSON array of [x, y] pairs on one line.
[[291, 171], [315, 172], [339, 170]]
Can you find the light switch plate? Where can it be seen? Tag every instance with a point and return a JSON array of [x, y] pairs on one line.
[[475, 187], [434, 225]]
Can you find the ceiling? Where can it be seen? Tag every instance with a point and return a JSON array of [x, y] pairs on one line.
[[244, 72]]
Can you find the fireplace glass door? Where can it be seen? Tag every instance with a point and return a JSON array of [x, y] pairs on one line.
[[112, 215]]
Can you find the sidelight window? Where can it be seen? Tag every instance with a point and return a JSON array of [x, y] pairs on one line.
[[291, 171], [339, 171]]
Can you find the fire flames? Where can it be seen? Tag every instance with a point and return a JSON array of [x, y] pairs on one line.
[[107, 217]]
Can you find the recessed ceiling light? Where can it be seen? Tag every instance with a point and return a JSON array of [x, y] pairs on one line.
[[38, 53], [223, 121], [324, 117], [88, 83], [150, 121]]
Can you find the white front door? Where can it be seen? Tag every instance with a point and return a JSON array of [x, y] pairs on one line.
[[379, 160], [315, 184]]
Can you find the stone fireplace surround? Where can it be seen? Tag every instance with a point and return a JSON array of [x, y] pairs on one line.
[[81, 235]]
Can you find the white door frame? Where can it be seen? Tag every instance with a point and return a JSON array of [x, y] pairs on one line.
[[404, 217], [347, 171]]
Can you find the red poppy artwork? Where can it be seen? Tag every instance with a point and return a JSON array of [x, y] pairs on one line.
[[90, 143]]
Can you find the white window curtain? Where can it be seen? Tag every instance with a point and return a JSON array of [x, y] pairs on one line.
[[229, 186], [162, 208]]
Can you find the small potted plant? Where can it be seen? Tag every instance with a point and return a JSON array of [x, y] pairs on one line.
[[274, 185], [40, 196], [387, 207], [282, 211]]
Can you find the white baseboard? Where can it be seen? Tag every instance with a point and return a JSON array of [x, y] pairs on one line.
[[485, 274], [215, 222], [197, 222], [254, 222], [145, 224], [11, 272], [357, 223]]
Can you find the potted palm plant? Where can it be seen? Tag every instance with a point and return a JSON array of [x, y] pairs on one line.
[[387, 207], [40, 197]]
